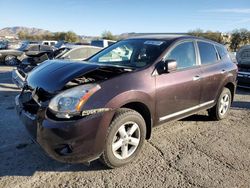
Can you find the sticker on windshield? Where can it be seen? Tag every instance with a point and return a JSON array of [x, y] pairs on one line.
[[154, 42]]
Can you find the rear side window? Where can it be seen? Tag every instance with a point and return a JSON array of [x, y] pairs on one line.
[[184, 55], [207, 53], [222, 51]]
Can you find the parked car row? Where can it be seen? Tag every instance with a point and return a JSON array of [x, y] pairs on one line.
[[14, 55], [106, 106]]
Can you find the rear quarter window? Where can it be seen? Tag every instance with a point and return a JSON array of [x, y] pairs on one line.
[[222, 51], [208, 53]]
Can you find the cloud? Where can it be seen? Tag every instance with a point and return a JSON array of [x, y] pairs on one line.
[[247, 20], [230, 10]]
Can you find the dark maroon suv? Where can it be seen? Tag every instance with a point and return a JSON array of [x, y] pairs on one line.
[[106, 107]]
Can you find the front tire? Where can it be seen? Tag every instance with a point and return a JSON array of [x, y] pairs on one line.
[[125, 138], [220, 110]]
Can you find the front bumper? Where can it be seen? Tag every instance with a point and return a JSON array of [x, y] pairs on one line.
[[17, 78], [244, 79], [77, 141]]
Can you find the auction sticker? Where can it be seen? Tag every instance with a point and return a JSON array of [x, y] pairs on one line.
[[154, 42]]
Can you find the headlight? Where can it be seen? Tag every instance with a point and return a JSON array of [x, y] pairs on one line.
[[69, 102]]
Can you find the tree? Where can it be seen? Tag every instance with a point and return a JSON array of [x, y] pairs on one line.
[[239, 38], [22, 35], [108, 35], [215, 36], [71, 37], [59, 35]]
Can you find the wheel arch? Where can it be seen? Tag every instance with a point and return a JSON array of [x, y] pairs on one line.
[[142, 109], [231, 87]]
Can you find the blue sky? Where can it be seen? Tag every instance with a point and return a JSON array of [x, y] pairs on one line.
[[92, 17]]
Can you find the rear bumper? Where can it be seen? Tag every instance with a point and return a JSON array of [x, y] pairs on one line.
[[77, 141], [17, 78], [244, 79]]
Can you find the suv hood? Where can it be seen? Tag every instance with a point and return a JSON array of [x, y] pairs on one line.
[[52, 75]]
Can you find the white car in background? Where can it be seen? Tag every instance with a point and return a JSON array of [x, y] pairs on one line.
[[49, 42], [102, 43]]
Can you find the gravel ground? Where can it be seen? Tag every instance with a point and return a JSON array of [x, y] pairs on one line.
[[194, 152]]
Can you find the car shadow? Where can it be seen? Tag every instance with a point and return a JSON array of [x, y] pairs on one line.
[[241, 105], [29, 159], [242, 91], [197, 117]]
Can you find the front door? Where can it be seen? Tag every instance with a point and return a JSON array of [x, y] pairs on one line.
[[178, 93]]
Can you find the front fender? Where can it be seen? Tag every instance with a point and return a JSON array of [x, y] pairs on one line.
[[115, 104]]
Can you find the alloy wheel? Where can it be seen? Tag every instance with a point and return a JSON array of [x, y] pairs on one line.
[[224, 104], [126, 140]]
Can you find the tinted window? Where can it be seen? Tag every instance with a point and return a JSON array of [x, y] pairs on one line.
[[98, 43], [222, 51], [207, 53], [81, 53], [184, 54]]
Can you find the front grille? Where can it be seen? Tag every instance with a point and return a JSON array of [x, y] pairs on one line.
[[31, 106], [244, 69]]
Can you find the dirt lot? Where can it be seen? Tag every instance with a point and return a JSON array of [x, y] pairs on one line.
[[194, 152]]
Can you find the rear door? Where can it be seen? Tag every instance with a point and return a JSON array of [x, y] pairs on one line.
[[178, 93], [213, 70]]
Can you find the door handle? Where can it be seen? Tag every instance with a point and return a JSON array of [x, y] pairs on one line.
[[196, 78], [223, 71]]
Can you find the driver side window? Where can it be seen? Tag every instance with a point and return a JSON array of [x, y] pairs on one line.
[[184, 55]]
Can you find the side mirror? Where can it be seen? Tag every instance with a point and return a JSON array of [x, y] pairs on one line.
[[167, 66]]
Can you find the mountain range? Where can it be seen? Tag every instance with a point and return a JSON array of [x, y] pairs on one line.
[[13, 31]]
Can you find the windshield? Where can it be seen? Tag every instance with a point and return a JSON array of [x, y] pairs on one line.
[[135, 53]]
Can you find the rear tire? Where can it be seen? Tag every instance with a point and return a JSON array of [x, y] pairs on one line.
[[220, 110], [125, 138]]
